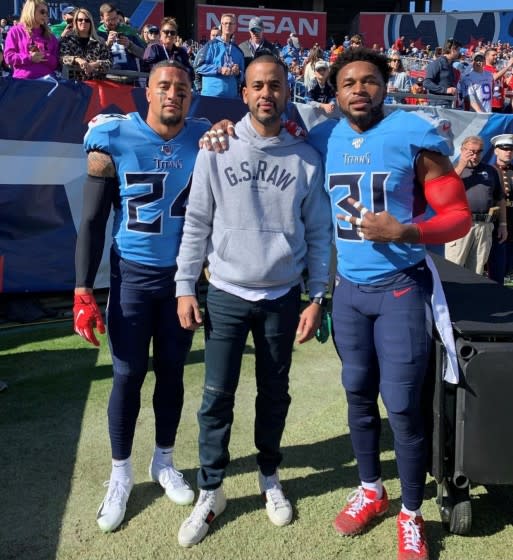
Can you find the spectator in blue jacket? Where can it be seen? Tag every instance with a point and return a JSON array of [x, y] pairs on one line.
[[220, 63], [290, 51]]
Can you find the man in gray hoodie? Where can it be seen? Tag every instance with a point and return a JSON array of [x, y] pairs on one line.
[[260, 216]]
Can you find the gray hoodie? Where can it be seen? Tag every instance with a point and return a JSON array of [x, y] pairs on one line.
[[259, 213]]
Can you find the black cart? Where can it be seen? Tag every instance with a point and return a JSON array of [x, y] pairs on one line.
[[472, 421]]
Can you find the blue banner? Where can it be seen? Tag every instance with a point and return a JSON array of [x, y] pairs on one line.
[[43, 166]]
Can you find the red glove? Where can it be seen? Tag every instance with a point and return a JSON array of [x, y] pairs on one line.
[[87, 316]]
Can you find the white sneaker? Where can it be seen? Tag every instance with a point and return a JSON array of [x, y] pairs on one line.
[[178, 490], [112, 511], [210, 504], [278, 507]]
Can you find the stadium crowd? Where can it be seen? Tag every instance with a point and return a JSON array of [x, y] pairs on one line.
[[84, 46], [470, 217], [476, 78], [79, 47]]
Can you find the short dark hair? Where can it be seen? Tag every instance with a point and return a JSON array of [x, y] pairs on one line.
[[169, 64], [451, 44], [359, 55], [265, 55]]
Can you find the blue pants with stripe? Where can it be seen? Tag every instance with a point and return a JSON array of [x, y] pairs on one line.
[[142, 308], [383, 336]]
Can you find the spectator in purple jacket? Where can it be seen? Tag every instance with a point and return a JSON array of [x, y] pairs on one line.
[[30, 47]]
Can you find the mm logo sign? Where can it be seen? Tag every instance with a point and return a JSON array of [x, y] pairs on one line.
[[278, 24]]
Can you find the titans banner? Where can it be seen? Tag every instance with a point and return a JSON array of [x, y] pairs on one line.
[[434, 28], [43, 166]]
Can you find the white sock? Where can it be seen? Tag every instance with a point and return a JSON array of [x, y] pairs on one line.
[[163, 455], [122, 469], [417, 512], [376, 486]]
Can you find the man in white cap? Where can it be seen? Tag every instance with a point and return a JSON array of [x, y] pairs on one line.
[[320, 92], [500, 262], [484, 195], [256, 44], [66, 25]]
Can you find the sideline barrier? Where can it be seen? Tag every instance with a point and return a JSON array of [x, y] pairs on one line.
[[43, 167]]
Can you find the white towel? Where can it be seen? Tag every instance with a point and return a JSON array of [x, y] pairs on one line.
[[443, 325]]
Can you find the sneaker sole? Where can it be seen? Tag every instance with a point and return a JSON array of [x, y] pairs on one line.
[[106, 530], [189, 544], [362, 529], [186, 502], [278, 523]]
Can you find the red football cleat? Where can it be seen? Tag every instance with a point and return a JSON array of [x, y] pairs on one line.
[[411, 537], [361, 508]]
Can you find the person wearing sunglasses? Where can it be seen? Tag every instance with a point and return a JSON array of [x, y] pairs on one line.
[[126, 47], [486, 201], [399, 80], [31, 50], [165, 48], [84, 49], [356, 41], [500, 261]]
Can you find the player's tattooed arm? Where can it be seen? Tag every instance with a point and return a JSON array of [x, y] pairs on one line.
[[100, 164]]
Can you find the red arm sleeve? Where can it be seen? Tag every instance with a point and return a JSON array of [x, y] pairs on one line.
[[446, 195]]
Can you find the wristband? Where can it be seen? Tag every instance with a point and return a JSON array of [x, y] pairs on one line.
[[503, 223]]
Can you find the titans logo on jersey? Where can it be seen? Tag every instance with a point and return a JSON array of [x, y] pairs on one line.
[[378, 169], [154, 181]]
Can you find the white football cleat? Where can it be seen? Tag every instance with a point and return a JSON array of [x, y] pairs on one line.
[[178, 490], [112, 511]]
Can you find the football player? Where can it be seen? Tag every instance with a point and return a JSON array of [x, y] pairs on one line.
[[378, 171], [141, 169]]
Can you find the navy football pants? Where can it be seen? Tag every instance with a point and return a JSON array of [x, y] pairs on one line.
[[383, 337], [142, 307]]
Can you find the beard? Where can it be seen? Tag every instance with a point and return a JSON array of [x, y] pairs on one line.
[[364, 121], [267, 120], [172, 120]]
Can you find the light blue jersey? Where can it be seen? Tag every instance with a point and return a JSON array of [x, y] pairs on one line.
[[367, 168], [154, 180]]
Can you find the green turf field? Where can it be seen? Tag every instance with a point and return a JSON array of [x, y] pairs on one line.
[[55, 456]]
